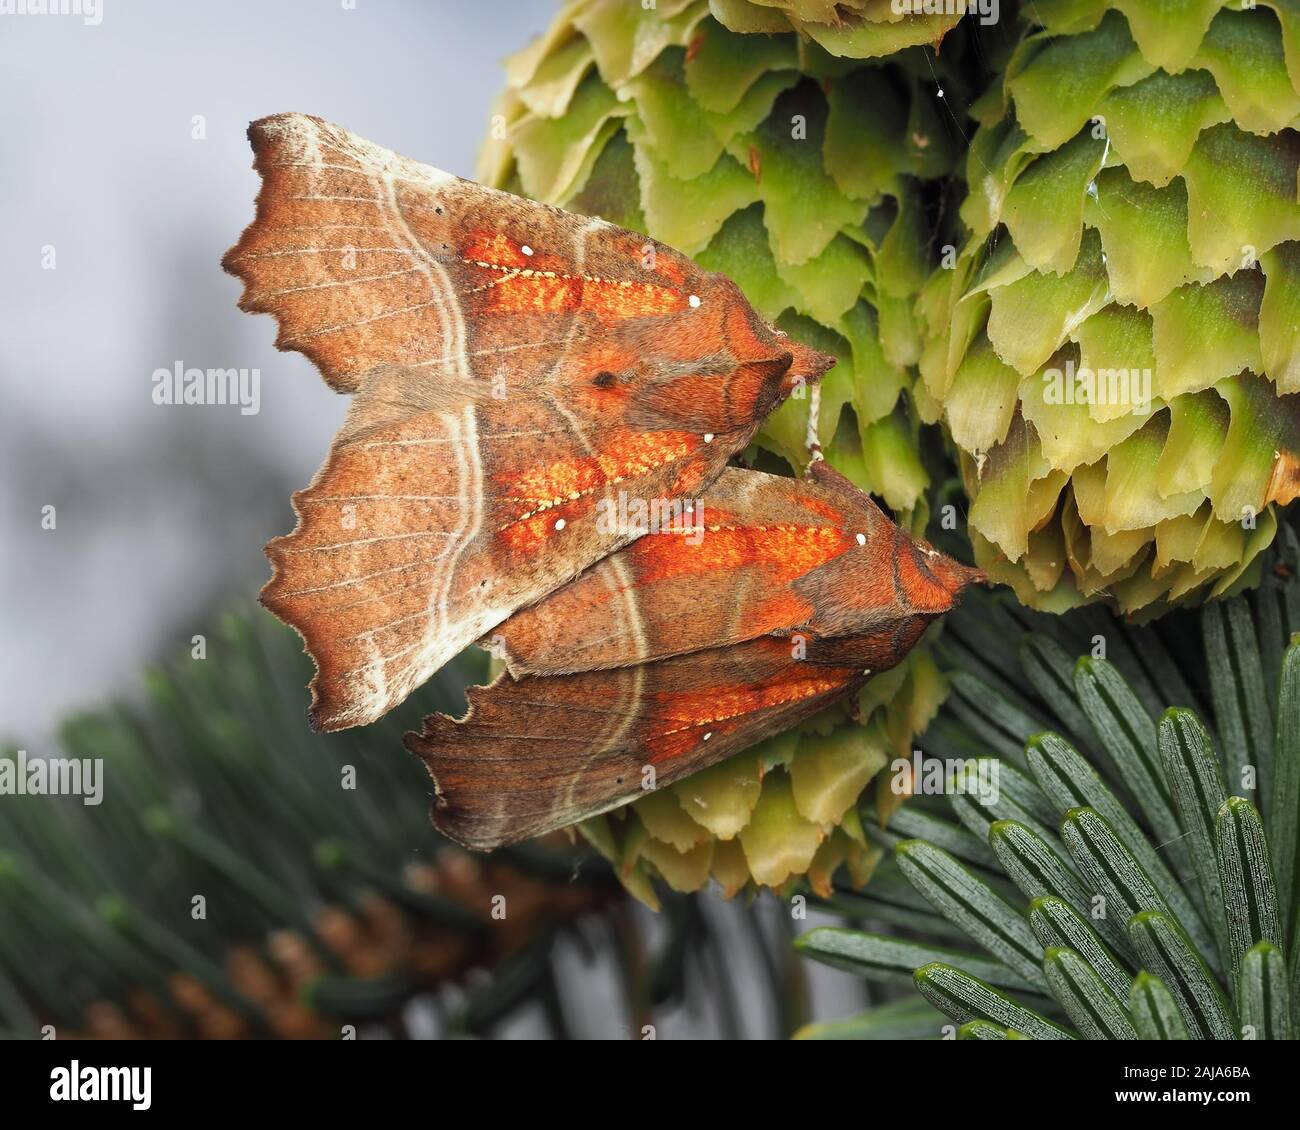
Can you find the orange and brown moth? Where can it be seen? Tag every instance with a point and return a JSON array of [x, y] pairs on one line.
[[675, 654], [515, 370], [510, 364]]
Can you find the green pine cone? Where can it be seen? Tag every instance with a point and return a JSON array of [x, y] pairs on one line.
[[1114, 349]]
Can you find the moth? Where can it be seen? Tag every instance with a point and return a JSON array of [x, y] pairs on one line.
[[514, 369], [673, 654], [510, 365]]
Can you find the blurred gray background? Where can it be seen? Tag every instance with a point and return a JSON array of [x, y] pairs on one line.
[[162, 511]]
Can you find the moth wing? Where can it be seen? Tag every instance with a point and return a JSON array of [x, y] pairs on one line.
[[367, 258], [436, 517], [537, 754], [733, 569]]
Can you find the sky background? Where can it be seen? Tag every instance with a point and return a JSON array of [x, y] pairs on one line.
[[162, 511]]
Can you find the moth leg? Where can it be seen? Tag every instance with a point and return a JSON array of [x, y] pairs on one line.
[[814, 411]]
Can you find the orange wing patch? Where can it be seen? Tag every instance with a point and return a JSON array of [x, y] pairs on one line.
[[710, 713], [521, 280], [497, 251], [551, 496], [630, 455], [526, 290], [789, 551]]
